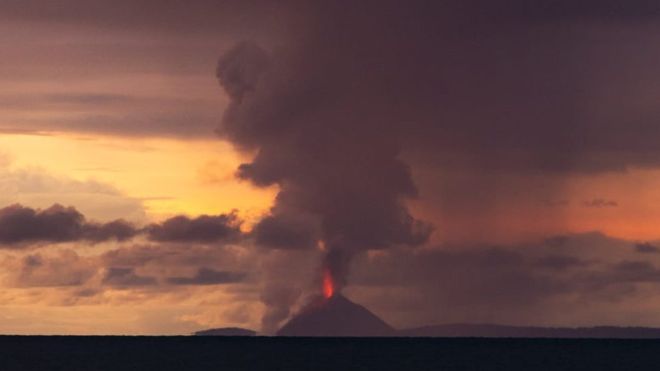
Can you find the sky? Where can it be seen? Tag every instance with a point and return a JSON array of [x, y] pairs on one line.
[[170, 166]]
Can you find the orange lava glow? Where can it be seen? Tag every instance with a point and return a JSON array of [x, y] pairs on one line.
[[328, 284]]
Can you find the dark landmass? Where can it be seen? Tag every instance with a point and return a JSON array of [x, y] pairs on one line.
[[501, 331], [226, 331], [340, 317], [128, 353], [336, 316]]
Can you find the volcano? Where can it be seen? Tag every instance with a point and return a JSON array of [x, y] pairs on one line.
[[335, 316]]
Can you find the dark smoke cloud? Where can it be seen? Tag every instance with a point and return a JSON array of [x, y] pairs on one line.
[[282, 232], [19, 225], [339, 113], [278, 300], [201, 229], [331, 166]]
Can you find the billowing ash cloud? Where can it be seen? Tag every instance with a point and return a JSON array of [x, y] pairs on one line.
[[19, 225], [285, 232], [476, 92], [202, 229], [337, 168]]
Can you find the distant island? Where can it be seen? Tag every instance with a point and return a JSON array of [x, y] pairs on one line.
[[337, 316], [226, 331]]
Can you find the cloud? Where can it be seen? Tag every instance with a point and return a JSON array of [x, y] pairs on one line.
[[201, 229], [207, 276], [126, 266], [646, 248], [286, 232], [580, 282], [146, 15], [560, 262], [185, 263], [119, 230], [51, 269], [354, 185], [603, 10], [21, 225], [351, 108], [343, 115], [36, 187], [634, 271], [126, 277], [600, 203]]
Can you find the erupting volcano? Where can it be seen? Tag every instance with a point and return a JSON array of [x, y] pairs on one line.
[[334, 315]]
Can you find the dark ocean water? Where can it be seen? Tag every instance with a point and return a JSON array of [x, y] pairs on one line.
[[261, 353]]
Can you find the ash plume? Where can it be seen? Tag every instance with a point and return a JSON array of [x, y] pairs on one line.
[[480, 97], [333, 164]]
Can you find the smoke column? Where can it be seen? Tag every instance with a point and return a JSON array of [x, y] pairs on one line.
[[316, 134], [331, 112]]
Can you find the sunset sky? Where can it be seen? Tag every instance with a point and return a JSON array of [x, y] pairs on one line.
[[171, 166]]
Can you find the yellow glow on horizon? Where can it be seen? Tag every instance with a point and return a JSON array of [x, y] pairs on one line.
[[169, 176]]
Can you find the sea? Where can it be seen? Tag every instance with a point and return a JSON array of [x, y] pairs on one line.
[[159, 353]]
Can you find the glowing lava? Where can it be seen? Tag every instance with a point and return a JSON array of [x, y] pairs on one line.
[[328, 284]]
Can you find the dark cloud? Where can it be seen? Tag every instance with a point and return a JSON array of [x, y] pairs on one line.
[[614, 10], [158, 16], [556, 241], [126, 277], [20, 225], [208, 15], [114, 114], [556, 203], [560, 262], [588, 277], [635, 271], [344, 109], [646, 248], [119, 230], [201, 229], [62, 269], [340, 113], [281, 232], [207, 276], [353, 184], [600, 203]]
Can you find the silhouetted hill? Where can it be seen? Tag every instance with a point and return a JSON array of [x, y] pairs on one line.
[[340, 317], [501, 331], [226, 331], [336, 316]]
